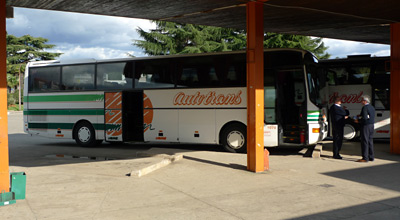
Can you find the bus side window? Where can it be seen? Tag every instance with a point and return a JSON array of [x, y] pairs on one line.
[[153, 74], [113, 76], [189, 77], [44, 79], [78, 77]]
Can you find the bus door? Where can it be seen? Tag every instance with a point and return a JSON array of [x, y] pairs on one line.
[[291, 105], [113, 116], [132, 115]]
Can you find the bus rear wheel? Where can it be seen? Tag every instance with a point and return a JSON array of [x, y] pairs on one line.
[[84, 135], [234, 138]]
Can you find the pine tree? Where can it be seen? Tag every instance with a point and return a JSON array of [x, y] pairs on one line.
[[175, 38]]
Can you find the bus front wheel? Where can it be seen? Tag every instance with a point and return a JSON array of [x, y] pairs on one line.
[[234, 138], [84, 135]]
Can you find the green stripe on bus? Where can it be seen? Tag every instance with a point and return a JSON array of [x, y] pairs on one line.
[[66, 98], [313, 116], [312, 119], [65, 112], [60, 126]]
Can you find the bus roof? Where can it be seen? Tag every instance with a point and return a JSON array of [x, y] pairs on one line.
[[355, 58], [85, 61]]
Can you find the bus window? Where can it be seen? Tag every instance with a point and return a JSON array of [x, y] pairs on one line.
[[153, 74], [44, 79], [200, 72], [314, 84], [78, 77], [189, 77], [359, 74], [235, 76], [114, 76]]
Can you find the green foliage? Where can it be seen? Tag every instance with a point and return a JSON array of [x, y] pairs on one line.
[[12, 98], [174, 38], [314, 45], [25, 48], [20, 50], [15, 108]]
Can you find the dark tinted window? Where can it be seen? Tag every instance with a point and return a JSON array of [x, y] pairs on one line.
[[78, 77], [203, 71], [282, 59], [154, 74], [44, 79], [212, 71], [114, 76], [235, 76]]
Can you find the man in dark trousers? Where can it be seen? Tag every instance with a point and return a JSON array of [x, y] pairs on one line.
[[338, 116], [367, 119]]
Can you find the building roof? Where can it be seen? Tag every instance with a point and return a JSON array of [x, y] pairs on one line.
[[358, 20]]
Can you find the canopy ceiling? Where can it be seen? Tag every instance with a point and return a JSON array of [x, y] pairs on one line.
[[359, 20]]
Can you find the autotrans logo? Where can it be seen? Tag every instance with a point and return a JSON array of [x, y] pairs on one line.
[[147, 113], [211, 98], [346, 98]]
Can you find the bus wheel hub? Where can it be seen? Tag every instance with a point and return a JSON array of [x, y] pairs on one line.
[[84, 134], [235, 139]]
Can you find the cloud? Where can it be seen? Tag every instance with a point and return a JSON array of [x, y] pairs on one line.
[[71, 52], [92, 35], [342, 48]]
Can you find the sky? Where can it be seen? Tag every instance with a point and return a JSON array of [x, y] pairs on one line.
[[80, 36]]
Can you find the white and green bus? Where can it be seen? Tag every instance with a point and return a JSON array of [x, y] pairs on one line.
[[197, 98]]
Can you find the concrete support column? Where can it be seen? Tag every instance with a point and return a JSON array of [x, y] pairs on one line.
[[394, 89], [4, 169], [255, 86]]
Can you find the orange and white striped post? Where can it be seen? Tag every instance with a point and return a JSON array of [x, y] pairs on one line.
[[4, 166], [255, 87]]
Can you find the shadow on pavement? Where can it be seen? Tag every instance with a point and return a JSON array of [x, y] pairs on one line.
[[383, 176], [376, 210], [33, 151]]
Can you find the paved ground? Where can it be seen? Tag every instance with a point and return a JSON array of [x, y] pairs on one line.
[[206, 184]]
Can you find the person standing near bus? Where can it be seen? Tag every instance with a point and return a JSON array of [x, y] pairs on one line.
[[338, 116], [367, 119]]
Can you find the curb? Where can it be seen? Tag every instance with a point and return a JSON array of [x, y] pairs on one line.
[[167, 159]]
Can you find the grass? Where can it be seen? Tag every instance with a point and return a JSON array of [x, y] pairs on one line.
[[14, 108]]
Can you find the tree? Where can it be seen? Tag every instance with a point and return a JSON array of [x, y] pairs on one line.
[[20, 50], [175, 38], [314, 45]]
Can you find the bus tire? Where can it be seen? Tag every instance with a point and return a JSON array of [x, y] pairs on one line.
[[85, 135], [350, 132], [234, 138]]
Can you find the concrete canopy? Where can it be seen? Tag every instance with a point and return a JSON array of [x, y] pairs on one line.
[[358, 20]]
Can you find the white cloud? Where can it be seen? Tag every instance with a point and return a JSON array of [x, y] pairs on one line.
[[80, 35], [342, 48], [94, 36]]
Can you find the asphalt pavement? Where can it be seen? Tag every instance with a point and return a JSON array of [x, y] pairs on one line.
[[65, 181]]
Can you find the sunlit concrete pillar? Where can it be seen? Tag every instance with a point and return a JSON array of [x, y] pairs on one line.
[[394, 88], [4, 169], [255, 86]]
